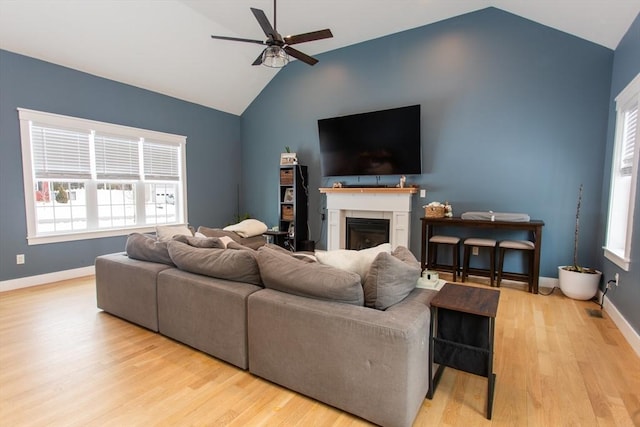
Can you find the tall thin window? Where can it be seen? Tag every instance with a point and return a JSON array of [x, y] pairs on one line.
[[86, 179], [624, 176]]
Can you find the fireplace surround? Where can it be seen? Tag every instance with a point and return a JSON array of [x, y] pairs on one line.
[[392, 204]]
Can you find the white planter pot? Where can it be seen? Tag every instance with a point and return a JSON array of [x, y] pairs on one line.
[[576, 285]]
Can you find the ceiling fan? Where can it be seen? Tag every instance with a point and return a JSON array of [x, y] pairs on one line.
[[278, 47]]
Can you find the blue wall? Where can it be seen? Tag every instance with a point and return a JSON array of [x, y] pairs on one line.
[[514, 120], [626, 65], [213, 143]]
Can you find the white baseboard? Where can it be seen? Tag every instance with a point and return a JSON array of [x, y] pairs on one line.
[[42, 279], [632, 337], [547, 282]]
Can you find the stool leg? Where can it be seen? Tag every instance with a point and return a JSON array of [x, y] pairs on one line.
[[465, 263], [530, 254], [500, 266], [456, 259], [492, 264]]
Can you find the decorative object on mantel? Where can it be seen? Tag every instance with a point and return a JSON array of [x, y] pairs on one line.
[[438, 210], [337, 184], [403, 180], [575, 281]]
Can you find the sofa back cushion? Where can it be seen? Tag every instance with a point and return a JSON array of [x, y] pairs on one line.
[[282, 272], [144, 247], [229, 264], [391, 278]]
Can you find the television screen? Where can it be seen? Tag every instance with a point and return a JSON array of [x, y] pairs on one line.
[[383, 142]]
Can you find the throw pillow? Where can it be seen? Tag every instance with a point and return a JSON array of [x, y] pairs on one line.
[[146, 248], [352, 260], [248, 228], [405, 255], [165, 233], [229, 264], [282, 272], [389, 281]]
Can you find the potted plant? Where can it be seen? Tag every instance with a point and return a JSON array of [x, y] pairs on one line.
[[575, 281]]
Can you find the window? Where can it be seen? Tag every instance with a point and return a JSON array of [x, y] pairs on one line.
[[624, 176], [86, 179]]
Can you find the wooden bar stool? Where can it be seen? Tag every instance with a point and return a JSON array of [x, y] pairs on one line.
[[454, 242], [527, 248], [480, 243]]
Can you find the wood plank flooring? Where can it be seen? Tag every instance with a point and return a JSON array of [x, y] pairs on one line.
[[63, 362]]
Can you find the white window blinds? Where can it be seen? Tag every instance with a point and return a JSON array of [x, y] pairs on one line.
[[116, 157], [161, 161], [629, 139], [60, 153]]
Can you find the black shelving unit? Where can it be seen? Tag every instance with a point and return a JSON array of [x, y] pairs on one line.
[[293, 206]]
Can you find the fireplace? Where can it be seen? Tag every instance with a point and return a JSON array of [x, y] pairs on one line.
[[390, 204], [363, 233]]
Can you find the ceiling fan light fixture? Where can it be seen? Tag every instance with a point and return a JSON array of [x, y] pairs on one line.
[[275, 57]]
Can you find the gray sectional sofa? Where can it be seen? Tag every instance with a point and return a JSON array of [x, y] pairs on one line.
[[305, 326]]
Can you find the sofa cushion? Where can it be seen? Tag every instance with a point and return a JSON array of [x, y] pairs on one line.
[[389, 281], [248, 228], [144, 247], [352, 260], [201, 242], [302, 255], [252, 242], [230, 264], [282, 272]]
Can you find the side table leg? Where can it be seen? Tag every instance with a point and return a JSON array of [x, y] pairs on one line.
[[491, 377], [430, 361], [492, 383]]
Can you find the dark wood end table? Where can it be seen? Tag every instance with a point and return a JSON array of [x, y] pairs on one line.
[[461, 334]]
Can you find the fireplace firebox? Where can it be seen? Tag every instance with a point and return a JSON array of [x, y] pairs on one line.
[[363, 233]]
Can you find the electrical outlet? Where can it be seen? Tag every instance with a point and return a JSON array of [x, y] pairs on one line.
[[475, 250], [617, 277], [20, 259], [423, 193]]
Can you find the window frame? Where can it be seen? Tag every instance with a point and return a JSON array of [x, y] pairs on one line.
[[27, 116], [630, 95]]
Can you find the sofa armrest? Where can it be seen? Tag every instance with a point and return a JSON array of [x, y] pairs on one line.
[[367, 362]]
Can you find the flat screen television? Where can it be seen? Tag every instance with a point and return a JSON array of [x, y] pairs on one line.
[[383, 142]]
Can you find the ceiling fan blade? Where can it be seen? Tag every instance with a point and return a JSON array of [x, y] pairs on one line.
[[301, 56], [236, 39], [308, 37], [264, 22], [258, 60]]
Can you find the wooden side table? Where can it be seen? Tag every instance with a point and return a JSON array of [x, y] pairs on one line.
[[461, 334]]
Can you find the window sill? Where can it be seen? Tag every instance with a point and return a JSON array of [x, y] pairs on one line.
[[58, 238], [618, 260]]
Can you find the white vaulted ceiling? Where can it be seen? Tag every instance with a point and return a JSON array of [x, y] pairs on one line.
[[165, 45]]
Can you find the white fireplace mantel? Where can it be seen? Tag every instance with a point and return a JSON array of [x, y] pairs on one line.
[[393, 204]]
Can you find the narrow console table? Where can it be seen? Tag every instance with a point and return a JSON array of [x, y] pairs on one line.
[[461, 334], [533, 226]]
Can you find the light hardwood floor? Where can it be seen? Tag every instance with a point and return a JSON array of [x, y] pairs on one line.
[[63, 362]]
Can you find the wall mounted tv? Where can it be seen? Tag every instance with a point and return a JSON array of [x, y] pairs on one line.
[[383, 142]]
